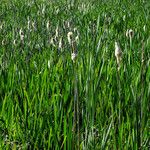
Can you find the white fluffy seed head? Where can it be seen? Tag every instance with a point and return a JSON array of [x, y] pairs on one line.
[[56, 32], [129, 33], [1, 26], [118, 54], [49, 64], [73, 56], [69, 36], [15, 42], [144, 28], [3, 42], [60, 43], [21, 34], [52, 42], [48, 25], [118, 51]]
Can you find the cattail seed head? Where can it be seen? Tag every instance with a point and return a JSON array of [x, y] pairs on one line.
[[56, 32], [73, 56], [124, 17], [130, 33], [118, 51], [72, 41], [68, 24], [48, 25], [118, 54], [60, 43], [21, 34], [1, 26], [49, 64], [43, 10], [52, 42], [3, 42], [15, 42], [144, 28], [69, 36]]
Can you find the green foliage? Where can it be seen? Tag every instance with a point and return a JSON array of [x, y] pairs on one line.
[[47, 101]]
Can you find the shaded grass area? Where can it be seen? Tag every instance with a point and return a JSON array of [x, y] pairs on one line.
[[49, 102]]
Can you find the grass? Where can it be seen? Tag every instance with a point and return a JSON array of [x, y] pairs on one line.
[[47, 101]]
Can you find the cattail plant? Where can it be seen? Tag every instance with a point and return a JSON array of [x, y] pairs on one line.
[[130, 35], [118, 54], [72, 44]]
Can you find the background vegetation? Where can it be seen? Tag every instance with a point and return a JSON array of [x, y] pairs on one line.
[[47, 101]]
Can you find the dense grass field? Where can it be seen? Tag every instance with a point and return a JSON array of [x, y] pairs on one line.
[[52, 100]]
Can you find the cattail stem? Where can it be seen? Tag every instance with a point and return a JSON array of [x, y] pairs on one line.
[[76, 127], [142, 95]]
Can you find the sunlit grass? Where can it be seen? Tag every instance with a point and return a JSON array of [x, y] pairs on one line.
[[56, 94]]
